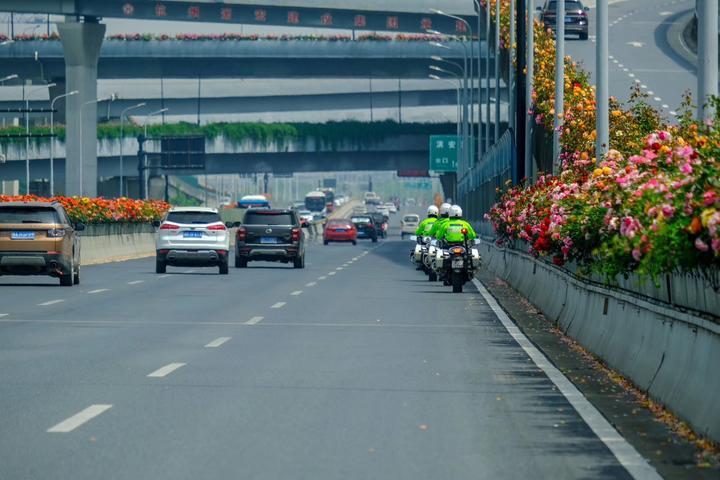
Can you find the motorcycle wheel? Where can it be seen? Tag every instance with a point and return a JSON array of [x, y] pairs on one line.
[[432, 276], [457, 282]]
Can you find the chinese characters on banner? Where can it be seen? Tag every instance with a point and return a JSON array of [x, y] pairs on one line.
[[444, 153]]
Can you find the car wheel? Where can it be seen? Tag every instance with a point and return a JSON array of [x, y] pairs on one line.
[[583, 35], [160, 266], [240, 262], [354, 242], [67, 280], [223, 267], [299, 262], [76, 279], [374, 239], [325, 242]]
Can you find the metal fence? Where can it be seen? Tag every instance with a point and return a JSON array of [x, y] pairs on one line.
[[477, 188]]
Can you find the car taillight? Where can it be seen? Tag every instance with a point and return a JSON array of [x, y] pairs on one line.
[[295, 234], [169, 226], [217, 227], [241, 234], [56, 233]]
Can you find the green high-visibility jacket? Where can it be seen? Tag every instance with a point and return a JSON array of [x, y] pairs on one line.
[[452, 231], [425, 227], [437, 226]]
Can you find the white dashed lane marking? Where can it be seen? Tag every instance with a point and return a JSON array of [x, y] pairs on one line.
[[164, 276], [135, 282], [50, 302], [332, 273], [322, 278], [99, 290], [296, 293], [279, 305], [217, 342], [4, 315], [311, 284], [166, 370], [254, 321], [70, 424]]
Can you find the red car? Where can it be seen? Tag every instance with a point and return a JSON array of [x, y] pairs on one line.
[[340, 230]]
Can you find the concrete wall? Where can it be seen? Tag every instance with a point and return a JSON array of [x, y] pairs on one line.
[[670, 353]]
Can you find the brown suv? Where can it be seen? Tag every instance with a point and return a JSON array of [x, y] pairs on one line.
[[36, 238]]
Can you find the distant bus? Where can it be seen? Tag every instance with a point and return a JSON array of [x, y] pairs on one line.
[[315, 201], [253, 201], [329, 198]]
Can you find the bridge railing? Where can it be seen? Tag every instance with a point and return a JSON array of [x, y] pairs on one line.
[[477, 188]]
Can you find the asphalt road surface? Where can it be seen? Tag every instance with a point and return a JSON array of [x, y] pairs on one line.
[[641, 53], [355, 368]]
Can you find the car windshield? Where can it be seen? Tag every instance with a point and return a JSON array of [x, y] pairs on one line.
[[410, 218], [28, 215], [193, 217], [268, 218], [571, 5], [361, 220], [304, 212]]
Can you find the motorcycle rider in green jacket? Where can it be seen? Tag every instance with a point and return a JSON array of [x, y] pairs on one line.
[[426, 225]]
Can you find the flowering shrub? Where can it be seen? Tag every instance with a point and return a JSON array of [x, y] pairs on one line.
[[651, 206], [100, 210]]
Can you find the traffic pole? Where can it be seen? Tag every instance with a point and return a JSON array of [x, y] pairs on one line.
[[707, 15], [559, 82], [529, 81], [487, 75], [497, 71], [602, 92], [511, 76]]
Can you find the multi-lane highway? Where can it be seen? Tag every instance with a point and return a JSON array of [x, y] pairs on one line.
[[644, 40], [355, 367]]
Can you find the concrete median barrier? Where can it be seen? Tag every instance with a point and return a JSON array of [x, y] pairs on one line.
[[116, 242], [667, 350]]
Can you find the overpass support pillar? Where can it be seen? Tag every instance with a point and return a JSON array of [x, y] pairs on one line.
[[81, 44], [449, 185]]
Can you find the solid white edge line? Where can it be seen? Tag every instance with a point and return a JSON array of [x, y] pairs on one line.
[[218, 342], [166, 370], [254, 321], [279, 305], [625, 453], [71, 423], [50, 302]]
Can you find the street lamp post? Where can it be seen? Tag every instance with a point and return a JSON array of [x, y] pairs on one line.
[[9, 77], [143, 180], [529, 81], [457, 87], [706, 12], [602, 94], [497, 71], [463, 130], [27, 135], [559, 82], [52, 138], [122, 124]]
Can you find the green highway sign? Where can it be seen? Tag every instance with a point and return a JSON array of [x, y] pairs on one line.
[[444, 153]]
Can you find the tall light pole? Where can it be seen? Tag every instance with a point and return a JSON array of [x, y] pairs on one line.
[[52, 138], [82, 149], [471, 75], [602, 93], [481, 136], [487, 75], [559, 82], [456, 84], [462, 119], [707, 15], [27, 134], [122, 123], [9, 77], [529, 83], [463, 131], [497, 70], [144, 170], [511, 71]]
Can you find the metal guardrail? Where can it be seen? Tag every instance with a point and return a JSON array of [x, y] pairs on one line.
[[477, 188]]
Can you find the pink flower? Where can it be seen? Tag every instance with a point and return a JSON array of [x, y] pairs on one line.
[[637, 254], [686, 168], [716, 245], [668, 211], [709, 198], [700, 245]]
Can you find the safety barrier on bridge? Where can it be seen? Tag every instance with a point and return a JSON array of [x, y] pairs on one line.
[[666, 340], [477, 189]]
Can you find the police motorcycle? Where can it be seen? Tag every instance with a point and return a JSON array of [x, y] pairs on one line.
[[456, 262], [420, 254]]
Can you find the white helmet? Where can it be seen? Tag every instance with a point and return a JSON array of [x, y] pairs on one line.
[[445, 208], [455, 211], [432, 210]]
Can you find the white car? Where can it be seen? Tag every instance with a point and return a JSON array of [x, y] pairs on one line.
[[409, 224], [383, 209], [391, 207], [192, 236]]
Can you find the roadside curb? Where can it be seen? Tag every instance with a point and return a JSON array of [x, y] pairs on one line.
[[679, 38]]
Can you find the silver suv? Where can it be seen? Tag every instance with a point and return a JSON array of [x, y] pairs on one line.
[[192, 236]]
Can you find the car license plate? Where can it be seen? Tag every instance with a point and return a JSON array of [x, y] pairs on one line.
[[340, 230], [23, 235], [458, 263], [568, 20], [268, 240], [192, 234]]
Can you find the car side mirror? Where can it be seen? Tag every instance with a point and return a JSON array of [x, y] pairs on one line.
[[587, 9], [156, 223], [79, 227]]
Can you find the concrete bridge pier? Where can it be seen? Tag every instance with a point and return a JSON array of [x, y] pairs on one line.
[[81, 44]]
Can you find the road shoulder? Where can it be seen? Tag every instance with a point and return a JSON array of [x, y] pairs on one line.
[[670, 454]]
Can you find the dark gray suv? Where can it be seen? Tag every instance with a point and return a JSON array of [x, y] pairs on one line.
[[576, 18], [270, 235]]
